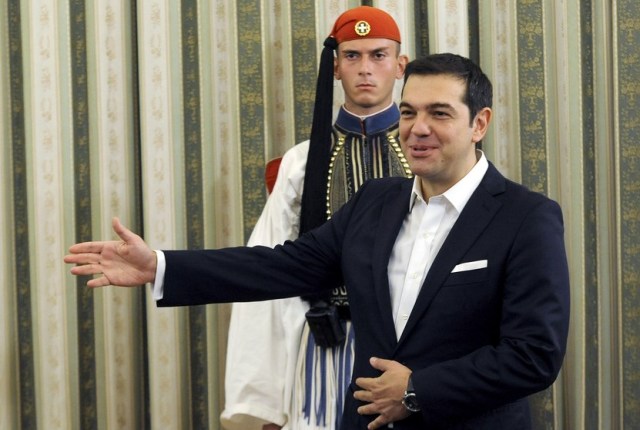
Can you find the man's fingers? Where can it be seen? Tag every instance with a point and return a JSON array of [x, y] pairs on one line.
[[102, 281], [366, 383], [363, 396], [377, 423], [82, 258], [86, 269], [380, 363], [370, 409], [86, 248], [125, 234]]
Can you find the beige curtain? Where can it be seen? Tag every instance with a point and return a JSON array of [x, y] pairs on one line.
[[163, 113]]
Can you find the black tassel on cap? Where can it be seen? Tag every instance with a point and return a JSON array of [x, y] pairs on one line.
[[314, 195]]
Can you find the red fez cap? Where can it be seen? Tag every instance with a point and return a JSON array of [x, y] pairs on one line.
[[365, 22]]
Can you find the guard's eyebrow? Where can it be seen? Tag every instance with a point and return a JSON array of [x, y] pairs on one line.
[[368, 51]]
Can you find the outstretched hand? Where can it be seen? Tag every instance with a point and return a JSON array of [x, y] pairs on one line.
[[384, 393], [127, 262]]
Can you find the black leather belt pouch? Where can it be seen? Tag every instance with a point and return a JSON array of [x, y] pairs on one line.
[[325, 325]]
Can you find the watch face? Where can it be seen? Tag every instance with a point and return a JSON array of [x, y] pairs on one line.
[[410, 402]]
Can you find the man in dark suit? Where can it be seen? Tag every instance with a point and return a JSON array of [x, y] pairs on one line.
[[458, 280]]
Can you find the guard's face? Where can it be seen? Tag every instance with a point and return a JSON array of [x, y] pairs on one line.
[[436, 134], [368, 69]]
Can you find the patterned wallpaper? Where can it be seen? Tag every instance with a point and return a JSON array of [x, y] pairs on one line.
[[164, 113]]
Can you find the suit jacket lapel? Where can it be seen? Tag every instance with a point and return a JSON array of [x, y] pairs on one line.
[[394, 210], [478, 212]]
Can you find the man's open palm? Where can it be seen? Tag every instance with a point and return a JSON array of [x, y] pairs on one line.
[[127, 262]]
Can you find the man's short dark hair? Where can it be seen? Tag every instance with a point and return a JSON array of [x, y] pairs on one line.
[[479, 91]]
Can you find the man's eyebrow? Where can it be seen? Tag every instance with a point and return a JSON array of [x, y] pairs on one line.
[[437, 105], [440, 105]]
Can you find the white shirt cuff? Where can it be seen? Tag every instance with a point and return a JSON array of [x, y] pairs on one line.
[[158, 284]]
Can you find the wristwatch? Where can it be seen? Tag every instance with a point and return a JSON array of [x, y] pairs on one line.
[[410, 401]]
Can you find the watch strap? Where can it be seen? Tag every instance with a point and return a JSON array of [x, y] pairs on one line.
[[410, 388], [410, 400]]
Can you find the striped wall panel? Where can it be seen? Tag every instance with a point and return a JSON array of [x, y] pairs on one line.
[[626, 103]]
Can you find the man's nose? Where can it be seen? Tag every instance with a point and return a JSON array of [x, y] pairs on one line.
[[365, 66], [421, 126]]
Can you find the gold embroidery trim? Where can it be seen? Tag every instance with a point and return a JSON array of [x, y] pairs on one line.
[[398, 150], [332, 160], [340, 145]]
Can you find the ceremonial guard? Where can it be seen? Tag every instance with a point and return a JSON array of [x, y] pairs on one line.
[[289, 361]]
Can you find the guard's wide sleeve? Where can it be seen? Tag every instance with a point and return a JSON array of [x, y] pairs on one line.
[[264, 337]]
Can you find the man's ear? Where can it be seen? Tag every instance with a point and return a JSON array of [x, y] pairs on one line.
[[481, 124], [402, 65], [336, 69]]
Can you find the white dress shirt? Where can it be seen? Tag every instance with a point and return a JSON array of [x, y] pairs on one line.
[[423, 232], [158, 284]]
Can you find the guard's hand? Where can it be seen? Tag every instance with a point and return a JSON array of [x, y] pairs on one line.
[[127, 262], [384, 393]]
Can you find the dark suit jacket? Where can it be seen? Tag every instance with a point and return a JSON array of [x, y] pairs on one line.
[[478, 341]]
